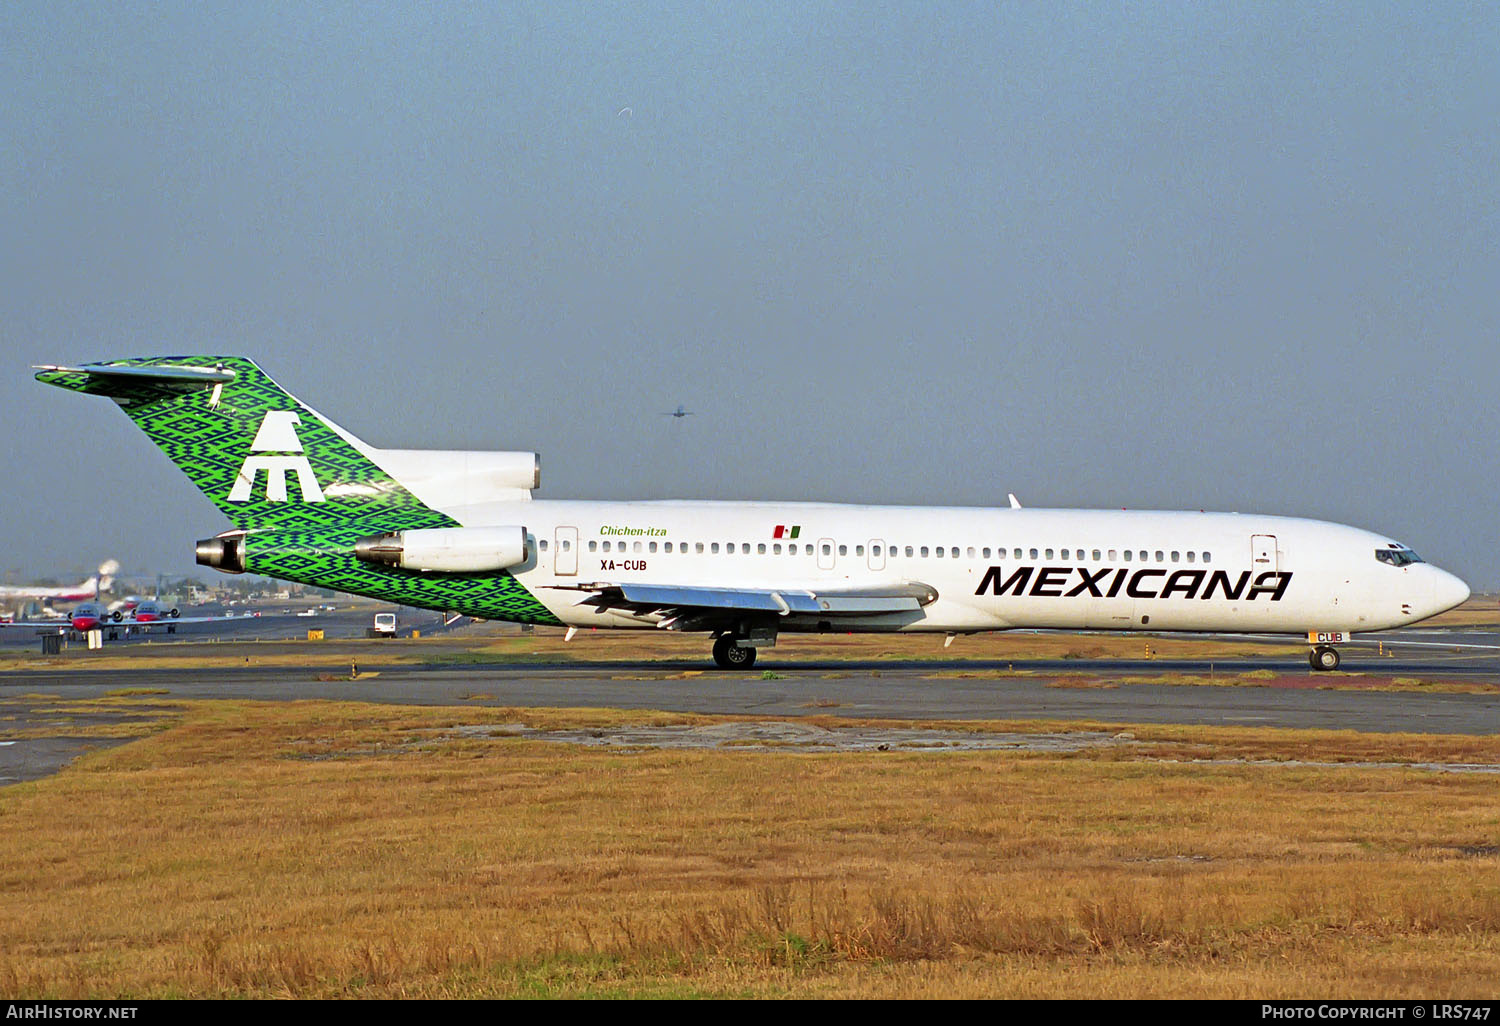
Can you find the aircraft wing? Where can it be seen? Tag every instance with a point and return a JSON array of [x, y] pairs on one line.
[[698, 602]]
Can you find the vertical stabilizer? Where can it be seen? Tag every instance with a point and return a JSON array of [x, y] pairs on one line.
[[263, 458]]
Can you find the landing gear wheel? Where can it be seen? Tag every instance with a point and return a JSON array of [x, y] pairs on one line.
[[730, 655], [1324, 658]]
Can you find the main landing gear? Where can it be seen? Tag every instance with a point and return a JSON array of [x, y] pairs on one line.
[[731, 655], [1324, 658]]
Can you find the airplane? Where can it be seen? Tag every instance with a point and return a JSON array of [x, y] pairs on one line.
[[679, 413], [83, 591], [96, 616], [84, 617], [459, 531], [148, 611]]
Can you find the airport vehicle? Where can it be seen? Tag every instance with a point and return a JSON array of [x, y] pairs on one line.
[[459, 531], [384, 626]]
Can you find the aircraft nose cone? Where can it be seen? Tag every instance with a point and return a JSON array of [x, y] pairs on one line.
[[1450, 591]]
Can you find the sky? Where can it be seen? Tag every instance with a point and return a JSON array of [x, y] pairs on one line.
[[1237, 256]]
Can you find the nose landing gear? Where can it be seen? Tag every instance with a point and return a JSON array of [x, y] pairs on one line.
[[1324, 658]]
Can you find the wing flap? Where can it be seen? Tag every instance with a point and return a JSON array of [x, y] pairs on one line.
[[908, 597]]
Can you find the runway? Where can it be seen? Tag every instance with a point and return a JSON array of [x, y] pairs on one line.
[[1108, 692], [949, 690]]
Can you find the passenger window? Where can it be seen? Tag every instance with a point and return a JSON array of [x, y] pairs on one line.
[[1064, 553], [593, 546], [1160, 556], [809, 549], [971, 552], [699, 548], [1018, 554], [1096, 555], [1112, 555], [924, 551], [761, 549], [567, 545], [985, 552], [544, 545], [874, 550], [953, 552], [843, 550], [827, 549], [715, 548], [1049, 553], [1145, 555], [637, 546], [1127, 555], [1033, 554], [651, 547], [776, 549], [1208, 557], [859, 550], [908, 552], [1175, 556], [1190, 557]]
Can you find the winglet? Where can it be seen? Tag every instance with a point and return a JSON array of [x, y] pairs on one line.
[[1015, 503]]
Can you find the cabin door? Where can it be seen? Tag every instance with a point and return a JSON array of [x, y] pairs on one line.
[[1263, 556], [565, 552]]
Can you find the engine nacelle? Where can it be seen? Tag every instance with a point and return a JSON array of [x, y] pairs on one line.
[[452, 550], [224, 552]]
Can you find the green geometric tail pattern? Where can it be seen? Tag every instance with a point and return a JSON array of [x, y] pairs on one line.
[[208, 434], [211, 432]]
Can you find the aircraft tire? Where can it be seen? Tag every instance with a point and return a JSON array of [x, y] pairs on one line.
[[730, 655], [1323, 658]]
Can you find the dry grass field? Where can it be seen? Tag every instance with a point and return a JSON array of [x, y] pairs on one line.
[[321, 849]]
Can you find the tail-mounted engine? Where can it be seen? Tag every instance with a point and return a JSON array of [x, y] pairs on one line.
[[454, 550]]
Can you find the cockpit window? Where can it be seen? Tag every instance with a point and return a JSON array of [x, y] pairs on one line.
[[1397, 556]]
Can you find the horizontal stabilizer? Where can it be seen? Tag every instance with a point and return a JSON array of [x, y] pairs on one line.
[[129, 383]]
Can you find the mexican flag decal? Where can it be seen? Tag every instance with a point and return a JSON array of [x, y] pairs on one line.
[[783, 531]]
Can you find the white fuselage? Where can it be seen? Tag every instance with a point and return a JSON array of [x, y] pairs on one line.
[[992, 569]]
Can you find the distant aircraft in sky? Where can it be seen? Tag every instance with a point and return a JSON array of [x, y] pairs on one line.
[[308, 501], [680, 412]]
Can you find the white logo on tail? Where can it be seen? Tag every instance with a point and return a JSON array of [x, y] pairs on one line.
[[277, 434]]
